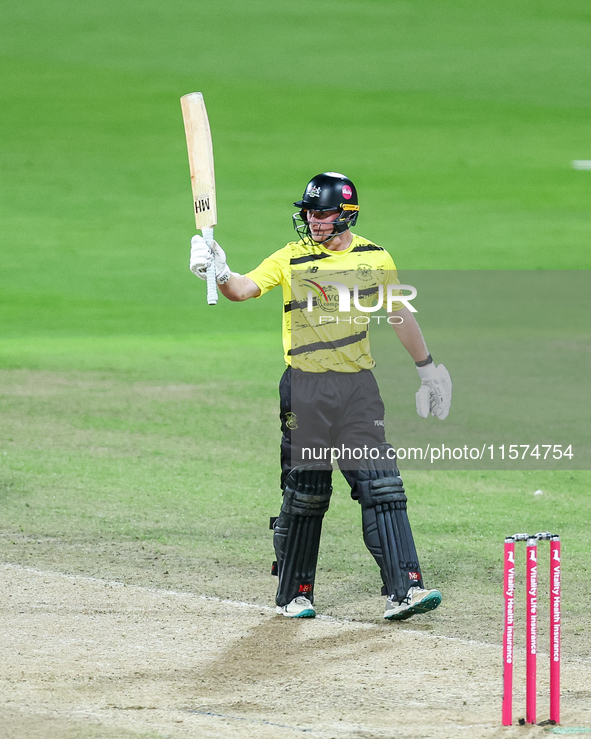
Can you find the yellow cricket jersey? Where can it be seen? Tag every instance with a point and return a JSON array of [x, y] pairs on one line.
[[327, 298]]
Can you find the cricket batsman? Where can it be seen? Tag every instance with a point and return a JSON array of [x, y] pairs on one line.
[[332, 282]]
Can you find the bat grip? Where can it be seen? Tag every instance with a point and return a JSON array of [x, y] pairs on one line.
[[212, 289]]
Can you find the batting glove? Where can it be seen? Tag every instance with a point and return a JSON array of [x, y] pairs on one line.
[[202, 256], [434, 395]]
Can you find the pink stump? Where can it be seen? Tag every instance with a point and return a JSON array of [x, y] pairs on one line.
[[555, 629], [531, 630], [509, 630]]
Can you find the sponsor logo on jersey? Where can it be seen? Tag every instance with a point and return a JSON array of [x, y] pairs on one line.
[[326, 299], [414, 576], [378, 423], [305, 588], [291, 420]]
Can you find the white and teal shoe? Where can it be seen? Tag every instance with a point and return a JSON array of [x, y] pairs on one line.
[[299, 607], [417, 600]]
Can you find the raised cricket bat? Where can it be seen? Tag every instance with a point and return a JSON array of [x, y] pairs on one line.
[[200, 151]]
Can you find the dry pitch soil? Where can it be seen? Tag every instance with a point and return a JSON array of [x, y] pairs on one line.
[[89, 658]]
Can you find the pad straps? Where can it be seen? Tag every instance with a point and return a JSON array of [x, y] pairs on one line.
[[297, 530]]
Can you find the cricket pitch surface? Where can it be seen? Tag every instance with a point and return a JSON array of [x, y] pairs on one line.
[[87, 658]]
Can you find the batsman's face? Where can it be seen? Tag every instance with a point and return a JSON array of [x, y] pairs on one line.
[[320, 222]]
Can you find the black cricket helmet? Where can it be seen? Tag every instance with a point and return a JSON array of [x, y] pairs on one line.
[[327, 191]]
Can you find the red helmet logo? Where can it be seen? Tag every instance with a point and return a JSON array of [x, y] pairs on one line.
[[347, 192]]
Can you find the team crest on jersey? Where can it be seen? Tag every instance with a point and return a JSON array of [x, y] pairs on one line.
[[291, 421], [364, 272]]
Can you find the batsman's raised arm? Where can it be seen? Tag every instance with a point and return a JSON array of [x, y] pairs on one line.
[[239, 287], [232, 285]]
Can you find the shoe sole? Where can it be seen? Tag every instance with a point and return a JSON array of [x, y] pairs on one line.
[[429, 603], [307, 613]]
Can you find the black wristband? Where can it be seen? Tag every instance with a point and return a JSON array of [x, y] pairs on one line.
[[425, 362]]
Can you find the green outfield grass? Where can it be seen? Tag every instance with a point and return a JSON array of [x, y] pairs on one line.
[[141, 471], [457, 120], [139, 427]]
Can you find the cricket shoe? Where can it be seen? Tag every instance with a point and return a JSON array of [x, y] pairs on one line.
[[299, 607], [417, 600]]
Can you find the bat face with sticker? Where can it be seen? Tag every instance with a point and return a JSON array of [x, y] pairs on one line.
[[200, 150]]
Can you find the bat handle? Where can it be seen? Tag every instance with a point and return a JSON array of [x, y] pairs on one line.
[[212, 288]]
